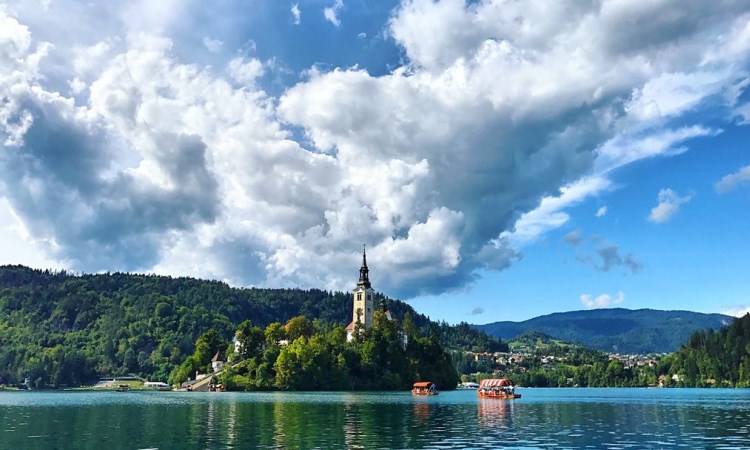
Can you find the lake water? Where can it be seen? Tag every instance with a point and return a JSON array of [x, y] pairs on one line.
[[543, 418]]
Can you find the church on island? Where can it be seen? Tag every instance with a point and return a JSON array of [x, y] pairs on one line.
[[363, 299]]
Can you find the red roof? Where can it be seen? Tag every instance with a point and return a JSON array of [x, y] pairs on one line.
[[423, 384], [350, 326], [218, 357], [492, 382]]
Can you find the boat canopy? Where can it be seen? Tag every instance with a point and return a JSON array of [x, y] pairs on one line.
[[423, 384], [492, 382]]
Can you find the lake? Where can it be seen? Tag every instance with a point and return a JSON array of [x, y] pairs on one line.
[[543, 418]]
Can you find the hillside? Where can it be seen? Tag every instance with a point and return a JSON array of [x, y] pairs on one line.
[[615, 330], [58, 329], [720, 358]]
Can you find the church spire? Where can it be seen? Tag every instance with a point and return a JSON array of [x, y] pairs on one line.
[[364, 277]]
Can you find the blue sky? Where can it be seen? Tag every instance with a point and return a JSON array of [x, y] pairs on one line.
[[500, 160]]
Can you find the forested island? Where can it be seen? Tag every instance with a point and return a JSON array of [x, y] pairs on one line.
[[60, 329], [311, 356]]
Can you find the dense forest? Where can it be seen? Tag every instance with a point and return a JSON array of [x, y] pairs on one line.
[[305, 355], [715, 358], [61, 329]]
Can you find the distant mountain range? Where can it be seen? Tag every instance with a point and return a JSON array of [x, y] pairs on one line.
[[615, 330]]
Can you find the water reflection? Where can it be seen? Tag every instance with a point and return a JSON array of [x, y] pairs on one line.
[[543, 418], [495, 414]]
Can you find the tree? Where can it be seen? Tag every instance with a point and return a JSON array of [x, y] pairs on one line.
[[250, 340], [298, 326], [274, 333]]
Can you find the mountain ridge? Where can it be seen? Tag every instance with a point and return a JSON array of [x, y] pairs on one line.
[[618, 330]]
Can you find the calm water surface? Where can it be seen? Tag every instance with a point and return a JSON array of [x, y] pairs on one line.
[[543, 418]]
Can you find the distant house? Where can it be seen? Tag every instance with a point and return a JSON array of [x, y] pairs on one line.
[[484, 357], [217, 362]]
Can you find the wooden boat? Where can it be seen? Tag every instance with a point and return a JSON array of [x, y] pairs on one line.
[[123, 388], [423, 388], [216, 387], [498, 388]]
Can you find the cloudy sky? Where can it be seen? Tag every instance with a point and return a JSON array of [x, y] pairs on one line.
[[500, 159]]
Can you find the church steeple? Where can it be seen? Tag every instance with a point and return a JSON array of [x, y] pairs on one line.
[[364, 277], [363, 299]]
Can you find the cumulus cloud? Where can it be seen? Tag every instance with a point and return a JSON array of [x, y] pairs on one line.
[[245, 71], [331, 12], [601, 212], [500, 116], [669, 204], [296, 14], [602, 301], [732, 181]]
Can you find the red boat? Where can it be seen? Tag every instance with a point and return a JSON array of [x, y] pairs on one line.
[[500, 388], [424, 388]]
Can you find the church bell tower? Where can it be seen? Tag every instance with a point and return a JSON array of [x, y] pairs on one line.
[[363, 296]]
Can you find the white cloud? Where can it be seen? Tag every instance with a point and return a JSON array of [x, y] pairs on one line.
[[502, 116], [88, 59], [732, 181], [213, 45], [549, 215], [626, 148], [602, 301], [601, 212], [669, 204], [736, 310], [331, 12], [245, 71], [296, 13]]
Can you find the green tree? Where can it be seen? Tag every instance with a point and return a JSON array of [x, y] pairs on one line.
[[250, 340]]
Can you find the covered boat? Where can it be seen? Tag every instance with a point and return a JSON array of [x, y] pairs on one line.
[[497, 388], [424, 388]]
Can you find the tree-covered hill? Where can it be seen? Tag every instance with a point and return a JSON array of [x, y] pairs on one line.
[[715, 358], [617, 329], [57, 328]]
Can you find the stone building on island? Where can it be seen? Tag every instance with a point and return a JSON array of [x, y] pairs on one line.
[[363, 300]]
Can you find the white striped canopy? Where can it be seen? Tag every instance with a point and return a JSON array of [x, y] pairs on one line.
[[492, 382]]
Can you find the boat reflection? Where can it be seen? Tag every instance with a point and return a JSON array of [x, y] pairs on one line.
[[495, 414]]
